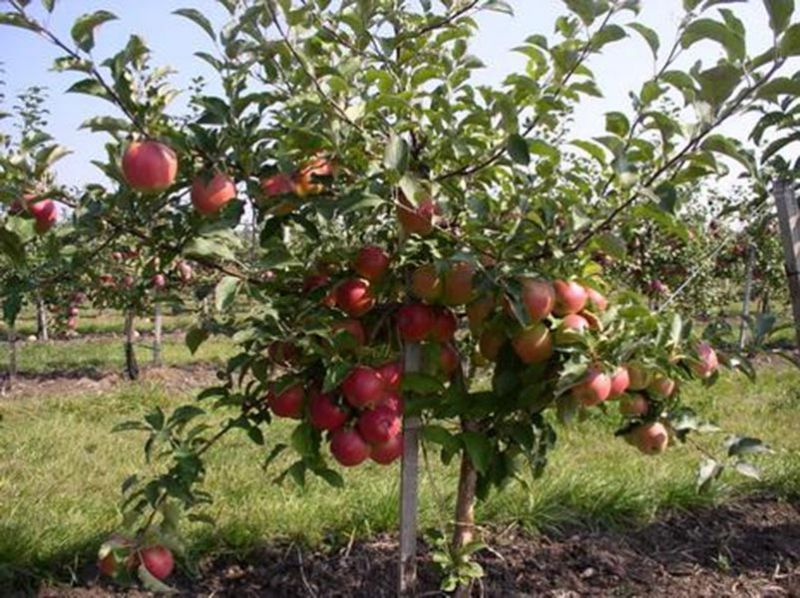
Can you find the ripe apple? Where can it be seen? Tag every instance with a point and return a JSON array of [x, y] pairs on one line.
[[354, 297], [45, 214], [349, 448], [363, 387], [289, 402], [392, 374], [709, 362], [594, 389], [149, 166], [209, 196], [572, 323], [651, 439], [107, 280], [539, 298], [639, 377], [415, 322], [533, 344], [634, 406], [378, 425], [277, 185], [426, 284], [416, 219], [159, 281], [449, 360], [352, 327], [324, 414], [597, 299], [371, 263], [158, 561], [393, 400], [185, 272], [306, 179], [72, 323], [457, 284], [387, 452], [570, 297], [128, 281], [283, 353], [445, 326], [620, 381], [72, 311], [490, 342], [661, 386], [107, 559], [478, 311], [315, 281]]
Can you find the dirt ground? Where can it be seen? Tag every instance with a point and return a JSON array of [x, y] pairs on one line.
[[748, 548]]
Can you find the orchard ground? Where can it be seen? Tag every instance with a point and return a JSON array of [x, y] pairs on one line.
[[603, 517]]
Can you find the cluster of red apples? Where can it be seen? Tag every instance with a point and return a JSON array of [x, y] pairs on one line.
[[120, 556], [43, 212]]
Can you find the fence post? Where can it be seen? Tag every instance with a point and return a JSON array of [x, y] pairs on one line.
[[157, 327], [409, 479], [41, 319], [748, 289], [789, 219], [131, 367]]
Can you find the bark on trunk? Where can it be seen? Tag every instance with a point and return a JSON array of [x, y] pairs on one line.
[[41, 320], [131, 367], [464, 530], [157, 327]]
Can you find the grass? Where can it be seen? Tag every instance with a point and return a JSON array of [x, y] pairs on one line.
[[61, 469], [106, 354]]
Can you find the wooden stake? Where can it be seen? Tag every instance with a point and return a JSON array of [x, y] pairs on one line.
[[789, 219], [41, 319], [12, 357], [409, 478], [748, 289], [157, 326], [131, 367]]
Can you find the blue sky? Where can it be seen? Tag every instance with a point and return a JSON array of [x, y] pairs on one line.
[[27, 58]]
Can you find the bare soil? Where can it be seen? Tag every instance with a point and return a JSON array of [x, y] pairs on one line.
[[747, 548]]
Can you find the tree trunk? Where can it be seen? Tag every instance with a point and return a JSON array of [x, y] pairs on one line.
[[131, 367], [463, 532], [12, 355], [748, 287], [41, 320], [157, 326], [765, 301]]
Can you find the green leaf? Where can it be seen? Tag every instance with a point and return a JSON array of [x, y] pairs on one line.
[[607, 35], [16, 20], [422, 384], [303, 440], [11, 245], [709, 29], [649, 35], [780, 14], [790, 42], [748, 470], [396, 155], [91, 87], [585, 10], [746, 446], [718, 83], [107, 124], [198, 18], [518, 150], [49, 5], [708, 471], [225, 292], [441, 436], [617, 123], [479, 450], [779, 86], [83, 29], [331, 477], [196, 337]]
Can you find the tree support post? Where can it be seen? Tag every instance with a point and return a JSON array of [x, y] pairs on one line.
[[131, 367], [158, 321], [409, 479], [12, 354], [748, 289], [41, 319], [789, 219]]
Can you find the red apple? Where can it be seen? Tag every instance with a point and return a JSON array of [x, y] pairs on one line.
[[594, 389], [392, 374], [574, 323], [379, 425], [478, 311], [389, 451], [324, 414], [364, 387], [651, 439], [149, 166], [639, 377], [457, 284], [354, 297], [445, 327], [620, 381], [449, 360], [283, 353], [315, 281], [209, 196], [288, 403], [158, 561], [634, 406], [277, 184], [371, 263], [426, 284], [415, 322], [570, 297], [661, 386], [416, 219], [185, 272], [306, 179], [539, 298], [349, 448], [354, 328], [159, 281], [45, 214], [709, 362], [597, 299], [393, 400], [107, 559], [533, 344]]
